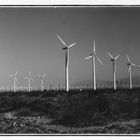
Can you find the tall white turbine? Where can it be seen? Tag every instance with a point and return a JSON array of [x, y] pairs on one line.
[[29, 81], [14, 80], [130, 64], [66, 48], [42, 77], [93, 56], [113, 59]]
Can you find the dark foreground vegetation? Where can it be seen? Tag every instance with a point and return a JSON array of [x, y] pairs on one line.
[[104, 111]]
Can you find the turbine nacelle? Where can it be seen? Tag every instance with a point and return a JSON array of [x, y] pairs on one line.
[[41, 76], [128, 63], [112, 59], [65, 48]]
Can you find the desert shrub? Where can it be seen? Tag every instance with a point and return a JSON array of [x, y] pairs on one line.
[[5, 104], [79, 109], [39, 105], [76, 108], [102, 103], [23, 112], [18, 102]]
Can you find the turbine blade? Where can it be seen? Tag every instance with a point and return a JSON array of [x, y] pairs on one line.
[[94, 45], [128, 58], [117, 57], [110, 55], [71, 45], [87, 57], [98, 59], [61, 40], [133, 64], [138, 66]]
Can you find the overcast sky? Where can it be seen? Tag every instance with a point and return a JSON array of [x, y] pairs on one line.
[[28, 42]]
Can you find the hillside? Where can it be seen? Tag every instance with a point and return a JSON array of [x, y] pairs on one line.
[[50, 112]]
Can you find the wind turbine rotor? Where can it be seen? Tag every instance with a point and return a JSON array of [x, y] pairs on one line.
[[41, 76]]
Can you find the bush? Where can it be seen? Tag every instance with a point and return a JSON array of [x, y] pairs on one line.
[[78, 110], [24, 112]]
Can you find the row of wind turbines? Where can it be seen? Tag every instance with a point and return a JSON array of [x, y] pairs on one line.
[[29, 78], [94, 56]]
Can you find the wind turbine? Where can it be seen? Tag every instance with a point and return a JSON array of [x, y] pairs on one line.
[[130, 64], [113, 59], [29, 81], [93, 56], [14, 79], [42, 77], [66, 49]]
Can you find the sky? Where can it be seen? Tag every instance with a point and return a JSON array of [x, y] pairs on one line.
[[28, 42]]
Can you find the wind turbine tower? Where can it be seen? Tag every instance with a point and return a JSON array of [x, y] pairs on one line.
[[113, 59], [29, 81], [93, 56], [66, 49], [14, 80], [42, 77], [130, 64]]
